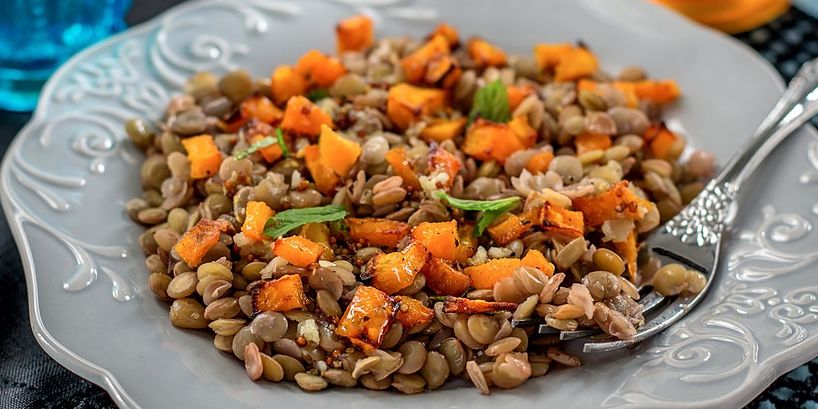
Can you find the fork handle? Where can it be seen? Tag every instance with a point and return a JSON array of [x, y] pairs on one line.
[[798, 104]]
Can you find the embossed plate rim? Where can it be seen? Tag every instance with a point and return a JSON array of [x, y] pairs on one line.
[[770, 368]]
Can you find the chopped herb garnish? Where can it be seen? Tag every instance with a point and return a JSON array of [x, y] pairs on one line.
[[261, 143], [491, 209], [288, 220], [282, 143], [491, 103], [317, 94]]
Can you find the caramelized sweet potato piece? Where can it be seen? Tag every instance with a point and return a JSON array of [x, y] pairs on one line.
[[467, 243], [660, 141], [657, 91], [486, 140], [440, 130], [319, 69], [616, 202], [302, 117], [204, 156], [440, 239], [534, 258], [458, 305], [443, 279], [526, 135], [557, 220], [286, 83], [549, 55], [429, 63], [260, 108], [195, 243], [485, 54], [517, 93], [367, 318], [587, 142], [539, 162], [336, 152], [256, 130], [628, 90], [576, 64], [377, 232], [325, 178], [282, 294], [508, 228], [485, 275], [629, 251], [299, 251], [412, 312], [392, 272], [256, 216], [354, 34], [441, 160], [406, 104], [448, 32], [403, 167]]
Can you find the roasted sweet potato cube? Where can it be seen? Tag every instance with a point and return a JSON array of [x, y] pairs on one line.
[[661, 141], [485, 54], [484, 276], [526, 135], [428, 63], [367, 318], [439, 238], [444, 279], [657, 91], [256, 216], [440, 130], [441, 160], [336, 152], [467, 243], [325, 178], [448, 32], [560, 221], [282, 294], [412, 312], [204, 156], [534, 258], [406, 104], [549, 55], [616, 202], [539, 162], [195, 243], [302, 117], [629, 251], [319, 69], [508, 228], [392, 272], [587, 142], [403, 167], [286, 83], [299, 251], [354, 34], [458, 305], [517, 93], [377, 232], [576, 64], [486, 140]]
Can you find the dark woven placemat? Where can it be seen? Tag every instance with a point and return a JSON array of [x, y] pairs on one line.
[[29, 379]]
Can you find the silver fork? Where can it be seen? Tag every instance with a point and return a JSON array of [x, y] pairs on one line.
[[693, 237]]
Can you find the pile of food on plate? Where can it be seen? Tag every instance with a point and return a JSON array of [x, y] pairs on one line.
[[379, 217]]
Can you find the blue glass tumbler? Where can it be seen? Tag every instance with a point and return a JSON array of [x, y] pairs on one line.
[[36, 36]]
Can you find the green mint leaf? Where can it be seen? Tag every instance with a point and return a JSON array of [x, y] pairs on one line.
[[317, 94], [491, 103], [288, 220], [282, 143], [491, 209], [255, 146]]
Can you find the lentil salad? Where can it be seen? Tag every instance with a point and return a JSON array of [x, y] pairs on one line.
[[379, 217]]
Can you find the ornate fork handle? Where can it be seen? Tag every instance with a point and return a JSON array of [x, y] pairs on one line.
[[702, 221]]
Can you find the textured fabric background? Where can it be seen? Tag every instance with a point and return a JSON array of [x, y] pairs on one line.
[[29, 379]]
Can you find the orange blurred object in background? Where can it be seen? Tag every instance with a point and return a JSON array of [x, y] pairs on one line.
[[732, 16]]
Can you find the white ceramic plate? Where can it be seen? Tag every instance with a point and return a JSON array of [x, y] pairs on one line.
[[68, 174]]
